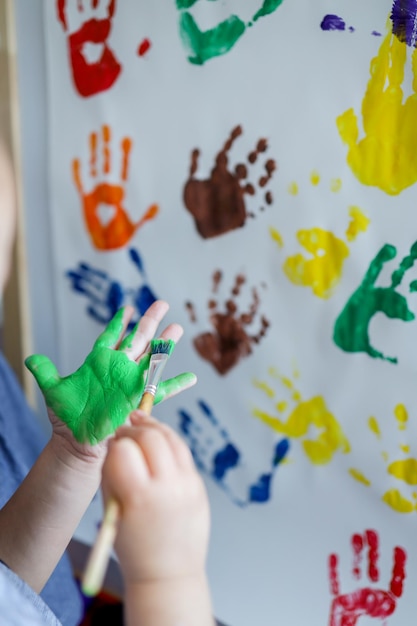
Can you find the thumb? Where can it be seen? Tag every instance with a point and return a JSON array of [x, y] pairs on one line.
[[44, 371]]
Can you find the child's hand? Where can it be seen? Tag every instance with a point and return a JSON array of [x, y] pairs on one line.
[[164, 526], [98, 397]]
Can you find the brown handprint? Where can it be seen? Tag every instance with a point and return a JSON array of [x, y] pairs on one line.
[[218, 203], [230, 341], [89, 77], [119, 229], [367, 601]]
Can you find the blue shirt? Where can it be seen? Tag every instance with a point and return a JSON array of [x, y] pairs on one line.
[[21, 441]]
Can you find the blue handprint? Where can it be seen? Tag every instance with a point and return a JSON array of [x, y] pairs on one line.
[[106, 295], [218, 457]]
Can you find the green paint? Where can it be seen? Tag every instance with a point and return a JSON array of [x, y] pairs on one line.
[[205, 45], [268, 7], [185, 4], [97, 398], [351, 330], [162, 346]]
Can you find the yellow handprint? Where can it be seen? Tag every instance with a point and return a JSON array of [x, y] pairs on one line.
[[386, 157], [323, 271], [306, 417], [404, 469]]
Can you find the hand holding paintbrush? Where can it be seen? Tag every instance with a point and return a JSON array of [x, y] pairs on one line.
[[160, 350]]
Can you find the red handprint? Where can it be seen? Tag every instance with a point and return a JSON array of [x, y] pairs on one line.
[[372, 602], [90, 77]]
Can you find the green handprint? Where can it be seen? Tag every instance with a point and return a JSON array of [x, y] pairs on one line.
[[96, 399], [351, 327], [204, 45]]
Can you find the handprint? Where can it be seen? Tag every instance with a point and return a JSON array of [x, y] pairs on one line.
[[96, 399], [106, 296], [204, 45], [115, 228], [385, 157], [89, 34], [369, 601], [218, 203], [218, 457], [307, 416], [322, 270], [403, 467], [351, 330], [230, 340]]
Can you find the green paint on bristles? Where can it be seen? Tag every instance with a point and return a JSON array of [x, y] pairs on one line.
[[162, 346]]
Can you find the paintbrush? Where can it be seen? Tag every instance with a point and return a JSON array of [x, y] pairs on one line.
[[95, 571]]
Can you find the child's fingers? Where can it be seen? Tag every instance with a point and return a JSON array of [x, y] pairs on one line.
[[136, 342], [179, 448], [124, 464], [155, 447], [173, 331], [115, 329], [173, 386]]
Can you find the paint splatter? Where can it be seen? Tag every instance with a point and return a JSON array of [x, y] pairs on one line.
[[218, 203], [403, 469], [404, 21], [385, 157], [106, 219], [230, 341], [302, 419], [144, 47], [105, 295], [322, 266], [203, 45], [90, 77], [218, 457], [370, 600], [334, 22], [351, 329], [315, 179]]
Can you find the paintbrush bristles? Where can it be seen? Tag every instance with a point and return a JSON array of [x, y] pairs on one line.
[[160, 352], [162, 346]]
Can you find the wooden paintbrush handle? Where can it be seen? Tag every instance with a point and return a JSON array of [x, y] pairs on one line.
[[146, 402], [100, 554]]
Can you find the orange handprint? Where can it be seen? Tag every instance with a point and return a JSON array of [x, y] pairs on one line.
[[118, 229]]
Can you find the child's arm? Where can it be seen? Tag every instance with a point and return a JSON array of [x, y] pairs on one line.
[[39, 520], [163, 535]]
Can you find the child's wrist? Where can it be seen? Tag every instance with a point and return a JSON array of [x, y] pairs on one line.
[[183, 599], [74, 457]]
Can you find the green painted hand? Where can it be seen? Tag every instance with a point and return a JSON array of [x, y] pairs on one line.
[[97, 398]]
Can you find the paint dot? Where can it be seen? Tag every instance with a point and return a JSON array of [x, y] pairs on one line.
[[293, 189], [332, 22], [335, 185], [315, 178], [144, 47]]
